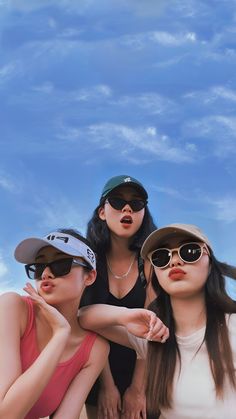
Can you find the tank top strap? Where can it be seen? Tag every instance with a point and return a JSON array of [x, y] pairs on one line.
[[86, 347], [141, 271], [31, 316]]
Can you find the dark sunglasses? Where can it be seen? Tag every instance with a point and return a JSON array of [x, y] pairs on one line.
[[58, 267], [119, 203], [188, 253]]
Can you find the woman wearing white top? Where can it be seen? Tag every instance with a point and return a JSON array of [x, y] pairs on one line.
[[193, 374]]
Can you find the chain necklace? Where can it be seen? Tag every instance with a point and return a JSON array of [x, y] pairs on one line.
[[126, 273]]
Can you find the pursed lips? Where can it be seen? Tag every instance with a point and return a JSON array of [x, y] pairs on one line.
[[176, 273]]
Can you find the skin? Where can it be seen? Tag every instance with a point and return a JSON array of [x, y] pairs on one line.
[[186, 292], [187, 298], [110, 404], [58, 336]]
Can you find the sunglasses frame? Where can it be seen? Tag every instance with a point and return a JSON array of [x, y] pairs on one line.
[[202, 246], [125, 202], [49, 264]]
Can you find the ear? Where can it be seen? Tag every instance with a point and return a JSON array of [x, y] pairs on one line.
[[101, 213], [90, 277]]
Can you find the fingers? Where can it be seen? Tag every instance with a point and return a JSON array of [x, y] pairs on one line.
[[158, 332], [32, 292]]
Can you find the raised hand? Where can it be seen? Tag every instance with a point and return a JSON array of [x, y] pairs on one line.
[[145, 324], [55, 319]]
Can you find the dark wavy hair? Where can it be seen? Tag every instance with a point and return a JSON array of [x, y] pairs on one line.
[[164, 357], [98, 232]]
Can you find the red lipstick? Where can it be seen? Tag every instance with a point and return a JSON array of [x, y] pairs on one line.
[[176, 273]]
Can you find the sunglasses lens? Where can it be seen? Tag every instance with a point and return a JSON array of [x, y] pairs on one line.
[[137, 204], [160, 258], [34, 270], [119, 203], [190, 252], [59, 267]]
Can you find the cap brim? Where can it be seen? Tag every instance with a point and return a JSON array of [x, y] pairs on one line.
[[27, 250], [156, 238]]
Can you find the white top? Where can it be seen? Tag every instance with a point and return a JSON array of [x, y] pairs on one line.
[[194, 389]]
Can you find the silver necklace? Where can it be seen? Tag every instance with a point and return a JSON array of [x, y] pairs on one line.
[[125, 274]]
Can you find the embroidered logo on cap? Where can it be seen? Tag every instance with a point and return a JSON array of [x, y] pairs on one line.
[[53, 237], [127, 179], [90, 255]]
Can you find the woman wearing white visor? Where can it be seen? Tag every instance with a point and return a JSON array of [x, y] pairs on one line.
[[47, 362]]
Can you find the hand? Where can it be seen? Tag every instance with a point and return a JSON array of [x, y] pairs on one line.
[[133, 404], [145, 324], [55, 319], [109, 403]]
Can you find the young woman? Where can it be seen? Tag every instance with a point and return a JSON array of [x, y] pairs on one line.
[[47, 362], [117, 230], [193, 374]]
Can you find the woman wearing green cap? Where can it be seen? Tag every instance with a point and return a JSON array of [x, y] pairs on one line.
[[191, 373], [120, 224]]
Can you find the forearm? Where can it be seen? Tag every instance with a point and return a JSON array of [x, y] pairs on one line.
[[99, 316], [106, 379], [138, 379], [26, 389]]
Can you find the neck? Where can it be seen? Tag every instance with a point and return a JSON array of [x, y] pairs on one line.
[[119, 248], [189, 314], [70, 311]]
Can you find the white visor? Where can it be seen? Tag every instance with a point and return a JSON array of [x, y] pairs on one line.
[[27, 250]]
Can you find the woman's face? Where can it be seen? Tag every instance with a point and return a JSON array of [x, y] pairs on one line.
[[181, 279], [55, 288], [124, 222]]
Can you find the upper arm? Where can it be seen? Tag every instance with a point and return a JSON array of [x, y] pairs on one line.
[[12, 312], [79, 388]]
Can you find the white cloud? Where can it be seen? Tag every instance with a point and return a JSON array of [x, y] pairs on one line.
[[225, 209], [100, 91], [220, 130], [144, 139], [47, 87], [10, 70], [6, 183], [59, 213], [3, 268], [212, 95], [166, 39], [152, 103]]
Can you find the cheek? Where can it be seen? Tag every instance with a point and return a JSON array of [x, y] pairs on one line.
[[161, 277]]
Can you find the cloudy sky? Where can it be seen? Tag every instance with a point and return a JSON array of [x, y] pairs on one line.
[[91, 89]]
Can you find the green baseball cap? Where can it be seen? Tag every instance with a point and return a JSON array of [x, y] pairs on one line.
[[122, 180]]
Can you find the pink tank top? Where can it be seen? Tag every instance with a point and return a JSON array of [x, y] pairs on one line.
[[64, 373]]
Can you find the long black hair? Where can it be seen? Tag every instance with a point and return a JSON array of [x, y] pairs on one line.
[[164, 357]]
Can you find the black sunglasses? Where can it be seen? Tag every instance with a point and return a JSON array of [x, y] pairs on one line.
[[119, 203], [188, 253], [58, 267]]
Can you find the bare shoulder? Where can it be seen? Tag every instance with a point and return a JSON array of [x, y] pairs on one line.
[[15, 306], [100, 349], [12, 299]]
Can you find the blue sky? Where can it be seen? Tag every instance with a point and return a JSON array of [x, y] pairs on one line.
[[94, 89]]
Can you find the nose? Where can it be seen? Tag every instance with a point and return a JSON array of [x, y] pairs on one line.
[[175, 259], [47, 273], [127, 208]]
